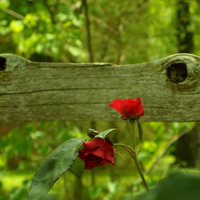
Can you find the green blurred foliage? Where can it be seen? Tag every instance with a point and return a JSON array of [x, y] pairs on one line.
[[43, 27], [25, 147], [122, 32]]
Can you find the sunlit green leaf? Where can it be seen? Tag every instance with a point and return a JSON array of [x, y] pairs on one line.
[[62, 17], [4, 4], [75, 51], [31, 20], [16, 26]]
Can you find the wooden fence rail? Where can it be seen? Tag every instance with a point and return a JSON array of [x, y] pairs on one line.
[[38, 91]]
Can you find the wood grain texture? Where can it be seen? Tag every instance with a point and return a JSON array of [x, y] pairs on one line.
[[33, 91]]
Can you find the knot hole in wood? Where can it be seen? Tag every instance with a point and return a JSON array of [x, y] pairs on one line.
[[2, 64], [177, 72]]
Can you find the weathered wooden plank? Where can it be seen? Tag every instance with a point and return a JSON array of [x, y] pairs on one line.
[[33, 91]]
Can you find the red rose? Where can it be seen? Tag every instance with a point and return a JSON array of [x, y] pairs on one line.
[[97, 152], [128, 108]]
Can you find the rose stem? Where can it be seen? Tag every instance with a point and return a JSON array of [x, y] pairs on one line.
[[134, 156], [132, 131], [140, 171]]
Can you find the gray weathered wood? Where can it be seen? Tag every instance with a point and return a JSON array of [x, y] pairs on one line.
[[33, 91]]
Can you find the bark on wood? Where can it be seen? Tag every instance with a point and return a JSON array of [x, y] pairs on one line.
[[31, 91]]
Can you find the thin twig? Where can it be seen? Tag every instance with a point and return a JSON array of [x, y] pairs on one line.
[[13, 13], [89, 43], [51, 9]]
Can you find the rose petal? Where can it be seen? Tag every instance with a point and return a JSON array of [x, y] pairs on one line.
[[128, 107], [93, 143], [116, 104], [97, 152]]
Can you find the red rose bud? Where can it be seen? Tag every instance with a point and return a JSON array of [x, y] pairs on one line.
[[97, 152], [129, 108]]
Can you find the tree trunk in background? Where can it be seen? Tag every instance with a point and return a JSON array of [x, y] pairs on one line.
[[184, 33], [186, 148]]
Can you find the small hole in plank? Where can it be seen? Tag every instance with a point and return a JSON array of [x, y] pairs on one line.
[[177, 72], [2, 64]]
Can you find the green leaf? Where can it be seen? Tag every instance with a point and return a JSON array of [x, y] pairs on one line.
[[54, 165], [140, 131], [77, 167], [106, 134], [177, 186]]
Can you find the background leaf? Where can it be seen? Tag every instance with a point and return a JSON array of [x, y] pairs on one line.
[[177, 186], [77, 167], [55, 164]]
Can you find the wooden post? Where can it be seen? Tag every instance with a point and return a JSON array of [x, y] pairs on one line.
[[37, 91]]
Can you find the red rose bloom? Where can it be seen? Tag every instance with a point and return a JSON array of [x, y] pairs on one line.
[[129, 108], [97, 152]]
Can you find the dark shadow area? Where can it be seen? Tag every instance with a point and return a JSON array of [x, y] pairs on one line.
[[2, 64], [177, 72]]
